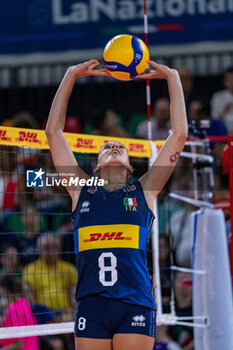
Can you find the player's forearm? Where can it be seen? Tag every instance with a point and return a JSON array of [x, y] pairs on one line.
[[57, 115], [179, 123]]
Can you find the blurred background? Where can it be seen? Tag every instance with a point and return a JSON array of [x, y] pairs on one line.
[[39, 40]]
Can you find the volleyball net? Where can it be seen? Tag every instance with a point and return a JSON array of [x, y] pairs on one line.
[[38, 275], [37, 232]]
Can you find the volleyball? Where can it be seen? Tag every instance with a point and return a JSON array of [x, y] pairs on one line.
[[125, 56]]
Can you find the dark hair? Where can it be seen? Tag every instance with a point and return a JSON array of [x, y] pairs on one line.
[[99, 116], [6, 246], [25, 119], [200, 100], [28, 203], [13, 284], [205, 110], [60, 337], [229, 70]]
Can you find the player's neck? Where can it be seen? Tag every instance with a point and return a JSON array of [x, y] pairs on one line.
[[115, 177]]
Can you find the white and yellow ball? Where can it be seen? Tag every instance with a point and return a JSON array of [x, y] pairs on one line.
[[125, 56]]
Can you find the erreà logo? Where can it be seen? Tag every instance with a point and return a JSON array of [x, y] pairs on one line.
[[130, 204], [85, 206], [138, 321]]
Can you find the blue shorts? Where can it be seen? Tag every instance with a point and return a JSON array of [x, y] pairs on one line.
[[100, 318]]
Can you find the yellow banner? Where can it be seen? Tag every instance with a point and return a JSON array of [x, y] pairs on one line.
[[108, 236], [80, 143]]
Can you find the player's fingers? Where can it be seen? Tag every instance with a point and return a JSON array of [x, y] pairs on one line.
[[158, 67], [88, 63], [143, 76], [92, 66], [104, 71], [92, 63], [150, 74], [100, 72], [152, 63]]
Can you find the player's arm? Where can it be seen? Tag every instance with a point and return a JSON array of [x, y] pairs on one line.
[[63, 157], [154, 180]]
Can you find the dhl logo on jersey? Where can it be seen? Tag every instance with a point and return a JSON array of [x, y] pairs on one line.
[[108, 236]]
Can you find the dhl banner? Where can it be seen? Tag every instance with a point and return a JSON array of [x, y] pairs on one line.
[[108, 236], [80, 143]]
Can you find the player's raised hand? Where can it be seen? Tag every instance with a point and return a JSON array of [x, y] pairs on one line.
[[160, 71], [87, 69]]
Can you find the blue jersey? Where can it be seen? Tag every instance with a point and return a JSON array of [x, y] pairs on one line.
[[110, 238]]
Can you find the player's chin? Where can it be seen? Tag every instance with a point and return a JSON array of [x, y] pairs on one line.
[[118, 161]]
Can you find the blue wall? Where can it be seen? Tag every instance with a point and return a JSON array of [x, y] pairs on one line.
[[28, 26]]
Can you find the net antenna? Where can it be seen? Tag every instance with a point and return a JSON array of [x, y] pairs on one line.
[[148, 92]]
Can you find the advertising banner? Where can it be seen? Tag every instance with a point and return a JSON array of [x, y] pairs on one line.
[[80, 143], [52, 26]]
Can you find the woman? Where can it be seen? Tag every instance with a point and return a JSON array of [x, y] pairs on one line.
[[115, 303], [18, 313]]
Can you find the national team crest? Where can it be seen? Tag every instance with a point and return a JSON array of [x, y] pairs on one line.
[[130, 203]]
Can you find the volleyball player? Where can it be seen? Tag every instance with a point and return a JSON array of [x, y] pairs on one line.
[[115, 307]]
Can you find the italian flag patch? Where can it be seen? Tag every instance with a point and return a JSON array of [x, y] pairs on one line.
[[130, 201]]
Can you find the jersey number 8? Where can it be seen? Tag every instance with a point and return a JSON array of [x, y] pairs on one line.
[[107, 268]]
